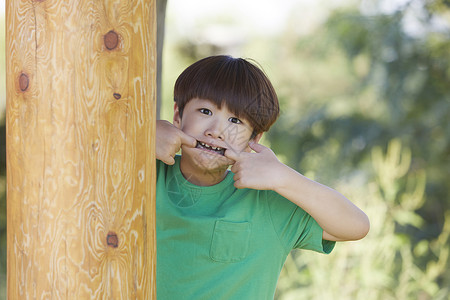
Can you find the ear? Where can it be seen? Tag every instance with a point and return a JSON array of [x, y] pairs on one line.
[[256, 140], [176, 116], [257, 137]]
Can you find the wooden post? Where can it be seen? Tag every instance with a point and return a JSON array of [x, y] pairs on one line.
[[81, 95]]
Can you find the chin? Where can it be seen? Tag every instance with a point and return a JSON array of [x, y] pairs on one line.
[[207, 161]]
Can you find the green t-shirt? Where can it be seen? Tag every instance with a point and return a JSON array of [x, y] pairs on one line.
[[219, 242]]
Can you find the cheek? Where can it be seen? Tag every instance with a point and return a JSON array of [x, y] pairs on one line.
[[240, 142], [187, 126]]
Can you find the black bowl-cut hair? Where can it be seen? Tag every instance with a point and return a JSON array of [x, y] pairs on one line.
[[239, 84]]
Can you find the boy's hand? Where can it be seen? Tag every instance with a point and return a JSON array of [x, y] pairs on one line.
[[261, 170], [169, 140]]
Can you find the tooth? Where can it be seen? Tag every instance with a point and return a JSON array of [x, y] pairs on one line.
[[204, 145]]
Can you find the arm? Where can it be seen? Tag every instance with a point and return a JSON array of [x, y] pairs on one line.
[[169, 140], [340, 219]]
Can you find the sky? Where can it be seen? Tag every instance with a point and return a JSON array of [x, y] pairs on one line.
[[249, 16]]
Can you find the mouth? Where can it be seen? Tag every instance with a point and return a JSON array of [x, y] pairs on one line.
[[218, 150]]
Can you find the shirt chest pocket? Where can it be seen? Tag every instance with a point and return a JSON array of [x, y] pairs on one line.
[[230, 241]]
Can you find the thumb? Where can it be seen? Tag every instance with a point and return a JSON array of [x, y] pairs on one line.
[[169, 160], [256, 147], [187, 140]]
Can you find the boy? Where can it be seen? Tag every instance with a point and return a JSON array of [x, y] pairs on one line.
[[225, 234]]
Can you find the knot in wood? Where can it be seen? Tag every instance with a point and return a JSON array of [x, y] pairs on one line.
[[112, 240], [23, 82], [111, 40], [117, 96]]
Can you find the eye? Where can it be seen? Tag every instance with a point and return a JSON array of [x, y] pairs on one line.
[[235, 120], [205, 111]]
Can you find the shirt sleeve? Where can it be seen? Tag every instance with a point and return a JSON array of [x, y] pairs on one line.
[[295, 227]]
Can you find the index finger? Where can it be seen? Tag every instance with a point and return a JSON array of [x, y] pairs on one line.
[[187, 140], [231, 154]]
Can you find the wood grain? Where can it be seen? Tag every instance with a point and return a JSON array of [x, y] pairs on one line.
[[81, 95]]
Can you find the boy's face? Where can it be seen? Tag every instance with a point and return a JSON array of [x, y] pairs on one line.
[[215, 130]]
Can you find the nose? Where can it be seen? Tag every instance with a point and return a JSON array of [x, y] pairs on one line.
[[216, 130]]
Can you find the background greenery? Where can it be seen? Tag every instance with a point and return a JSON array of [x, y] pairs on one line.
[[365, 109]]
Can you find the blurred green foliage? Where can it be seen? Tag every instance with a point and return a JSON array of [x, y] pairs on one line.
[[387, 263], [393, 95], [365, 109], [384, 88]]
